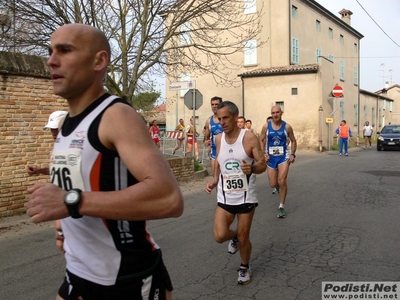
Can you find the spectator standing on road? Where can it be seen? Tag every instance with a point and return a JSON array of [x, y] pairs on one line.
[[367, 133], [192, 134], [239, 158], [106, 180], [155, 133], [212, 129], [241, 122], [344, 133], [273, 139], [179, 141]]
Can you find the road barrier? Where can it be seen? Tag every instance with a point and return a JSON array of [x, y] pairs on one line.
[[169, 142]]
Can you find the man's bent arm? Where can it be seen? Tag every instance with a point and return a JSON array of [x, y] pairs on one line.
[[155, 196]]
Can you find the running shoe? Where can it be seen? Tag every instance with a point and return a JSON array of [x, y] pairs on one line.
[[244, 275], [347, 154], [275, 190], [340, 154], [233, 246], [281, 212]]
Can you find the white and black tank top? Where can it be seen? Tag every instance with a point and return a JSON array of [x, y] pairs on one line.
[[99, 250], [234, 187]]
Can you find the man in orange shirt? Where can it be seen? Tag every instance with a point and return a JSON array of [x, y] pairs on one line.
[[344, 133]]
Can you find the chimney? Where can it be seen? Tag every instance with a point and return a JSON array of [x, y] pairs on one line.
[[346, 15]]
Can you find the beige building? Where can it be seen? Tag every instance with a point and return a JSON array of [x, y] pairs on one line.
[[304, 52], [390, 104]]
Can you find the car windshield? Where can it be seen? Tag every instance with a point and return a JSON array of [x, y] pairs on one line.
[[391, 129]]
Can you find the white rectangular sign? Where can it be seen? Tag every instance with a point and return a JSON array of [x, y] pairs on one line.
[[360, 290], [178, 85]]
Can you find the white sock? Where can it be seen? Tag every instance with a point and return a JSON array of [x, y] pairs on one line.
[[281, 205]]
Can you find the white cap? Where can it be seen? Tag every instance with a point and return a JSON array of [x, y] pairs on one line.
[[55, 119]]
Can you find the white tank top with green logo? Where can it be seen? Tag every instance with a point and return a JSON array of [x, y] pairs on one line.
[[234, 187]]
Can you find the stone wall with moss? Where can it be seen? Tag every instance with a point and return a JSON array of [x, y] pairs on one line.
[[182, 167]]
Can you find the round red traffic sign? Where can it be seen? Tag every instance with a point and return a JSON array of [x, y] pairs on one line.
[[337, 91]]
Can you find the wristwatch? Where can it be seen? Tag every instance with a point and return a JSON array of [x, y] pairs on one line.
[[72, 199]]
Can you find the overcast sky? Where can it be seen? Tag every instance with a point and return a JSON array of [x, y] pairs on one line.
[[378, 53]]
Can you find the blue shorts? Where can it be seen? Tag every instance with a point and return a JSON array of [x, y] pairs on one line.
[[274, 161]]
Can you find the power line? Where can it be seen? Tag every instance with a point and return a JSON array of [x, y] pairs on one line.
[[367, 57], [377, 24], [379, 56]]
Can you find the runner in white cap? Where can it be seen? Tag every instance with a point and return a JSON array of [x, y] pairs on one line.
[[54, 121], [52, 124]]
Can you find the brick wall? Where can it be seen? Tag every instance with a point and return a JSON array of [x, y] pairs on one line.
[[182, 167], [26, 101]]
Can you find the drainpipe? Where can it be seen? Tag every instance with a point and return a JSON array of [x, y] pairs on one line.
[[290, 32], [320, 113], [358, 89], [377, 114], [242, 96]]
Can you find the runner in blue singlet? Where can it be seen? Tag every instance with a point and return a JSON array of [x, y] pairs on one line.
[[212, 129], [273, 139]]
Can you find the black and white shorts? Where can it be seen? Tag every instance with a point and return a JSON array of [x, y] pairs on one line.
[[151, 287], [238, 209]]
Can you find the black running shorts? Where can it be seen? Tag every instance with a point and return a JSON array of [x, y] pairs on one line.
[[154, 286], [238, 209]]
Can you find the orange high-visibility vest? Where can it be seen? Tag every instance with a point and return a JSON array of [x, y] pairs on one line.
[[344, 131]]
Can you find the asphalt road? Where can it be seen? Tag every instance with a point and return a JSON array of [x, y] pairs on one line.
[[342, 224]]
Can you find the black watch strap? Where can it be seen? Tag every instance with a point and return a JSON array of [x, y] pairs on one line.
[[73, 208]]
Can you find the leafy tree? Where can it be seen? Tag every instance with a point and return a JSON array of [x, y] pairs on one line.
[[144, 101], [147, 36]]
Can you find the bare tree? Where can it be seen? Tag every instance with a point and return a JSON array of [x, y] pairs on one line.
[[148, 37]]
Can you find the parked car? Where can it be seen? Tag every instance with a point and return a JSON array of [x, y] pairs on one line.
[[389, 137]]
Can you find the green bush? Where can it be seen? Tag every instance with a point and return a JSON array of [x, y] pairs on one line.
[[198, 166], [335, 147]]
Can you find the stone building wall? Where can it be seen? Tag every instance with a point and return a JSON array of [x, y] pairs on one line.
[[26, 101]]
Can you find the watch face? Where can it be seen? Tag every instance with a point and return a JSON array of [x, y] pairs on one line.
[[71, 197]]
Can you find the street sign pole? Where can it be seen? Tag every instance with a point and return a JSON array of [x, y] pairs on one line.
[[176, 97], [192, 85], [177, 86], [337, 92], [193, 100], [177, 119], [329, 136]]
